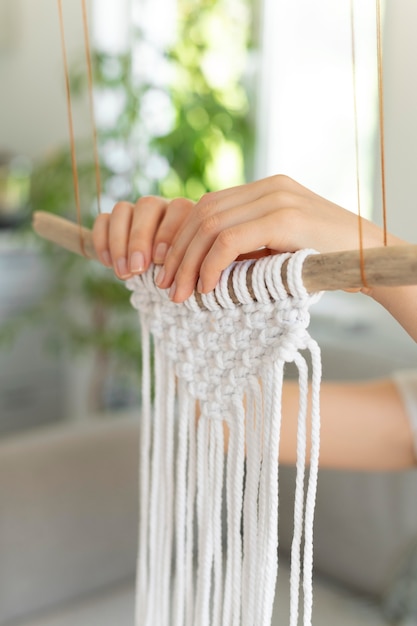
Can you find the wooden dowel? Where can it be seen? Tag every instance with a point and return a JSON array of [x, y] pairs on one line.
[[389, 266], [64, 233]]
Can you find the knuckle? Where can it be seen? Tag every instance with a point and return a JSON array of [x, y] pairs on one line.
[[100, 221], [210, 225], [205, 209], [207, 197], [180, 204], [290, 218], [149, 202], [166, 233], [121, 207], [184, 273], [137, 238], [173, 256], [227, 239], [283, 181], [284, 200]]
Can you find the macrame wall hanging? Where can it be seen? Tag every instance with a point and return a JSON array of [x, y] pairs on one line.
[[223, 359], [211, 416]]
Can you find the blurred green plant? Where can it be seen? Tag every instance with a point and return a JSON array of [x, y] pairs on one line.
[[180, 126]]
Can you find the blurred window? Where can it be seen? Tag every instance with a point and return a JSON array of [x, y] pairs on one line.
[[306, 108]]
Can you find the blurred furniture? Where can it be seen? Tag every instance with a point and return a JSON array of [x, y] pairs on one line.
[[32, 379], [68, 521], [68, 532]]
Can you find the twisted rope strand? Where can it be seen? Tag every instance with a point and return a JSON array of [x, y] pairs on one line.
[[299, 490]]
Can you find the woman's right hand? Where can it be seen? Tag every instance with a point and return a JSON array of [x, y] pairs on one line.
[[269, 216]]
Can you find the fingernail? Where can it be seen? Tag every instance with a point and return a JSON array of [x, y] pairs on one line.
[[137, 262], [160, 252], [172, 290], [160, 277], [122, 269], [200, 286], [106, 258]]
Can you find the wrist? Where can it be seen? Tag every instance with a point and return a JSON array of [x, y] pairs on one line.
[[400, 302]]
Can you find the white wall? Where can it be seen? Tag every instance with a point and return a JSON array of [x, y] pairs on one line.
[[32, 104], [306, 121], [401, 117]]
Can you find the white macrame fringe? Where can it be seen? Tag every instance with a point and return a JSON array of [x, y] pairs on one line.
[[208, 525]]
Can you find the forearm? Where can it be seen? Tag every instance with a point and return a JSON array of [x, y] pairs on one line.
[[401, 303], [363, 427]]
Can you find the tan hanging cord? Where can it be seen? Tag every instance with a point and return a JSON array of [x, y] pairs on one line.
[[71, 126], [356, 135], [91, 102], [381, 116], [87, 48], [381, 123]]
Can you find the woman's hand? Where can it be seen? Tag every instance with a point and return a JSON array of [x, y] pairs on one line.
[[195, 243], [134, 235], [276, 214]]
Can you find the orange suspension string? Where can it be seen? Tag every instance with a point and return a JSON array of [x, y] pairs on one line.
[[355, 110], [70, 116], [381, 116], [91, 102], [71, 127]]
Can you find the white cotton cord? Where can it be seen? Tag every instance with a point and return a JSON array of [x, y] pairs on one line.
[[227, 595], [254, 422], [184, 402], [205, 519], [189, 537], [240, 286], [156, 506], [192, 304], [162, 520], [295, 273], [222, 289], [273, 277], [144, 454], [250, 495], [237, 505], [168, 510], [271, 462], [218, 469], [213, 497], [234, 498], [209, 301], [259, 285], [299, 490], [267, 378], [312, 483]]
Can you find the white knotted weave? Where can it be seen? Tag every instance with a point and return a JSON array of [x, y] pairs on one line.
[[208, 534]]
